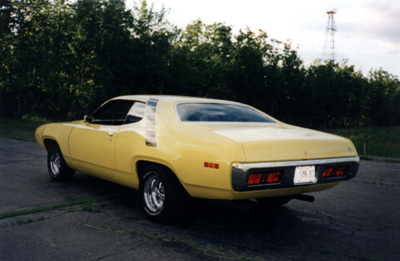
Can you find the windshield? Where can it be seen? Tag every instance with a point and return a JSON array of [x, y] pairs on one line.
[[213, 112]]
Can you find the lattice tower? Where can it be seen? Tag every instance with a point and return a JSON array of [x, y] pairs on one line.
[[330, 36]]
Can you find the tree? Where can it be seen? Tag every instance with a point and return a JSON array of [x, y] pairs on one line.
[[6, 44], [31, 55], [60, 57], [152, 36], [382, 94], [247, 74]]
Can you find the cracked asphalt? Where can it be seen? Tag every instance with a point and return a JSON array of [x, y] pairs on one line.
[[92, 219]]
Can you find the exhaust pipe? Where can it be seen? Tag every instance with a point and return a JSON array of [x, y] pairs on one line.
[[303, 197]]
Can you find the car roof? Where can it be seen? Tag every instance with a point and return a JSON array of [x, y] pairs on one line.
[[169, 98]]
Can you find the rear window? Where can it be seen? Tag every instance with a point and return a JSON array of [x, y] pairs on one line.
[[214, 112]]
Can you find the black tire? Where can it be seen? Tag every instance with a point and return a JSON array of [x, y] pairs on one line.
[[58, 168], [273, 202], [162, 196]]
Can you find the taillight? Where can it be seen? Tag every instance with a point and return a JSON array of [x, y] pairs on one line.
[[341, 171], [255, 178], [335, 171], [274, 177], [265, 178], [327, 172]]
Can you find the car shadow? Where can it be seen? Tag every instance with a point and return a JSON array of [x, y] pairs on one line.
[[239, 216]]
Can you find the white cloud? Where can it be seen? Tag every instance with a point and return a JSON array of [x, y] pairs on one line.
[[375, 21], [386, 20]]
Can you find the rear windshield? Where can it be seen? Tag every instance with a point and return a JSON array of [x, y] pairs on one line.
[[214, 112]]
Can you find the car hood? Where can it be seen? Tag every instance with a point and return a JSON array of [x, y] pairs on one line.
[[280, 142]]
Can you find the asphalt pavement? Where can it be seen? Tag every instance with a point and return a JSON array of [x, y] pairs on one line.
[[92, 219]]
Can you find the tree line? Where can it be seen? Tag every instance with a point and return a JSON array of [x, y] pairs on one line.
[[60, 58]]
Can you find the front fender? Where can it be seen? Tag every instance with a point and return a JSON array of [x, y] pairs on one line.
[[58, 132]]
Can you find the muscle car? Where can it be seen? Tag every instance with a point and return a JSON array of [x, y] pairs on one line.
[[171, 148]]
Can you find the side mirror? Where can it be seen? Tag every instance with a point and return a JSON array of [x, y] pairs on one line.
[[88, 118]]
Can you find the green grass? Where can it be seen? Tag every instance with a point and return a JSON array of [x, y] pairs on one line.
[[85, 202], [23, 129], [373, 141]]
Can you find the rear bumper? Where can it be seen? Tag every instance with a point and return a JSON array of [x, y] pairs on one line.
[[241, 172]]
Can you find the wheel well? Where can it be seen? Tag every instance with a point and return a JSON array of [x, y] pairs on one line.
[[50, 143], [142, 164]]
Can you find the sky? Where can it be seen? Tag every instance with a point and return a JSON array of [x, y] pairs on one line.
[[367, 36]]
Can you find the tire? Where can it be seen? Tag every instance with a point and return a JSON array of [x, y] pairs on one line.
[[58, 168], [273, 202], [162, 196]]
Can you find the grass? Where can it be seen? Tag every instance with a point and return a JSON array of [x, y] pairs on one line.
[[369, 141], [85, 202], [373, 141], [23, 129]]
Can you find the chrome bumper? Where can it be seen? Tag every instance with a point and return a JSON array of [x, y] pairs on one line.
[[241, 172]]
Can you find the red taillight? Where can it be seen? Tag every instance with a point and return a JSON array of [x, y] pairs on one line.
[[327, 172], [255, 178], [341, 171], [265, 178], [335, 172], [274, 177]]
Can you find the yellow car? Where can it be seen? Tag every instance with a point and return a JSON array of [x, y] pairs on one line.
[[171, 147]]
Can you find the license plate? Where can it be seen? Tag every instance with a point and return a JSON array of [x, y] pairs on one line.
[[304, 175]]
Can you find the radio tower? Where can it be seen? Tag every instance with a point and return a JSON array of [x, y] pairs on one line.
[[330, 35]]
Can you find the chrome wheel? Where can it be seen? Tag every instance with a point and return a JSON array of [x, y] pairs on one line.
[[161, 195], [55, 163], [58, 168], [154, 194]]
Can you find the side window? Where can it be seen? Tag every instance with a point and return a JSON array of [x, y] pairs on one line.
[[136, 112], [112, 113]]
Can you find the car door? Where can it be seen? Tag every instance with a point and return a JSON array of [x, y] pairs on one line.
[[92, 144]]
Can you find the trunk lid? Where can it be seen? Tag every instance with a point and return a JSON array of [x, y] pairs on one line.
[[281, 142]]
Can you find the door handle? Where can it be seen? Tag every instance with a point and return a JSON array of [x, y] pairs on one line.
[[110, 133]]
